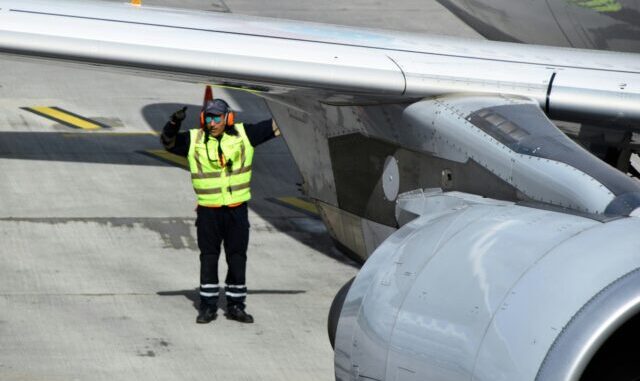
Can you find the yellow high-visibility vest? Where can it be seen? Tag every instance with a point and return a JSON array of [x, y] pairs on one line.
[[220, 181]]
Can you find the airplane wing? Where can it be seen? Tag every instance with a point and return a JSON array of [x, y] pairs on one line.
[[498, 249], [339, 64]]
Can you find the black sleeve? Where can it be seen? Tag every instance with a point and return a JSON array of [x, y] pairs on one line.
[[173, 140], [260, 132]]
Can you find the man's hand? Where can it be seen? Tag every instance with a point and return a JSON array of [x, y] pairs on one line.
[[276, 130], [178, 116]]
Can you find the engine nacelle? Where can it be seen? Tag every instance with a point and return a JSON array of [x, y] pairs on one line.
[[484, 290]]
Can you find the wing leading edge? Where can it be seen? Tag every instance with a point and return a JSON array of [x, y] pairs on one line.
[[569, 84]]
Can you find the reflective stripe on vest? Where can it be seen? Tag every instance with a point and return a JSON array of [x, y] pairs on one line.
[[217, 182], [213, 175]]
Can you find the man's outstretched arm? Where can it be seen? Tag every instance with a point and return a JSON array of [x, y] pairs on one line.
[[261, 132], [172, 139]]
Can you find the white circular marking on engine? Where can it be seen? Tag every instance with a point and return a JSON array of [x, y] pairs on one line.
[[391, 179]]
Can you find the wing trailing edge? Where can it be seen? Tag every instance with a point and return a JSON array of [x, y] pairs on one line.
[[323, 61]]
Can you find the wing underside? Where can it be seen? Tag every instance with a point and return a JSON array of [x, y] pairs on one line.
[[333, 63]]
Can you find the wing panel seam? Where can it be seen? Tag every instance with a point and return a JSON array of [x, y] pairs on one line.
[[546, 106], [404, 76]]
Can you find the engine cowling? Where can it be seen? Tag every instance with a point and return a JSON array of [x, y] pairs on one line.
[[491, 291]]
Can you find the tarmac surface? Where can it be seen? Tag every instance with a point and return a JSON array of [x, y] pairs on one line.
[[98, 256]]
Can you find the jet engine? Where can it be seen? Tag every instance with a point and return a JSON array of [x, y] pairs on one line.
[[478, 289]]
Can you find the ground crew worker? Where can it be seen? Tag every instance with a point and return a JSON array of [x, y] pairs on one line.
[[220, 154]]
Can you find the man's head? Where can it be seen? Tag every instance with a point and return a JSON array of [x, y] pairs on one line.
[[216, 116]]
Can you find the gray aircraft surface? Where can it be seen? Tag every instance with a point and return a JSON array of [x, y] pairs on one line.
[[496, 247], [592, 24]]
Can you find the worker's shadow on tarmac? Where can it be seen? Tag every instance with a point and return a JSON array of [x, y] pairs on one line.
[[194, 296]]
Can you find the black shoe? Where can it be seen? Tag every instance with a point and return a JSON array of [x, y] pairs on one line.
[[206, 314], [238, 314]]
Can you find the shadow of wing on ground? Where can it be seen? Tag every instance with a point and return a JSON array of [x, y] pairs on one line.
[[275, 174], [156, 115], [113, 145], [80, 147]]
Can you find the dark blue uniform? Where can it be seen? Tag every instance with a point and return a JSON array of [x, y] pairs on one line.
[[225, 225]]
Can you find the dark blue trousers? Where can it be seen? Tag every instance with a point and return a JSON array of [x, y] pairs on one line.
[[230, 227]]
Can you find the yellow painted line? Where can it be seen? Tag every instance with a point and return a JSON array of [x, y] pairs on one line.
[[133, 133], [66, 117], [82, 135], [168, 156], [300, 203], [605, 6]]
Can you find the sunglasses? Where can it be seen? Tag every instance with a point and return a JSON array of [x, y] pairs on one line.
[[215, 118]]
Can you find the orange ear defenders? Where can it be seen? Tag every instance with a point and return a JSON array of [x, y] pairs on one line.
[[231, 116]]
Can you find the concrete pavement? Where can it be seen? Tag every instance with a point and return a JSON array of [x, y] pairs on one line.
[[98, 261]]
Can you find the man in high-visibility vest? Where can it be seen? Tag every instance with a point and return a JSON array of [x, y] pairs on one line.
[[220, 154]]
